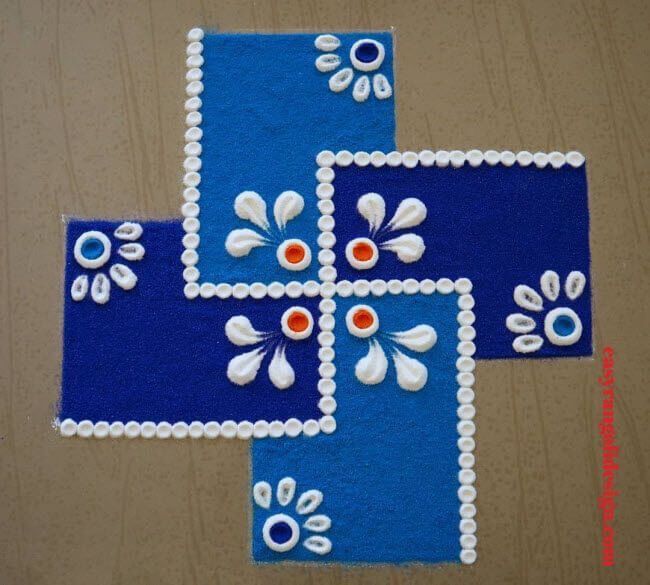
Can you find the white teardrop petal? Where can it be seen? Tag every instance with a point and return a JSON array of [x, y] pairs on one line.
[[528, 298], [123, 276], [381, 87], [131, 252], [520, 323], [412, 375], [288, 205], [318, 523], [79, 288], [550, 285], [327, 42], [281, 373], [286, 490], [575, 284], [361, 89], [240, 242], [527, 343], [240, 331], [340, 80], [128, 231], [262, 494], [243, 368], [326, 63], [249, 205], [372, 368], [318, 544], [408, 247], [372, 207], [420, 338], [100, 290], [409, 213], [309, 501]]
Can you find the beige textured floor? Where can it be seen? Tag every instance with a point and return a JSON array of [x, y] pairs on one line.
[[91, 124]]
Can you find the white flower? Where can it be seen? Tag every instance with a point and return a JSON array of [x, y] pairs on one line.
[[362, 321], [363, 253], [562, 325], [366, 55], [292, 254], [92, 250], [281, 532], [296, 324]]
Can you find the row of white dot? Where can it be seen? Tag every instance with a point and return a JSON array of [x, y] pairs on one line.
[[228, 429], [326, 369], [445, 158], [326, 239], [410, 286], [192, 162], [256, 290]]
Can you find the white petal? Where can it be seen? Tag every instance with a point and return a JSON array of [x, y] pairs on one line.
[[409, 213], [550, 285], [240, 242], [527, 343], [309, 501], [243, 368], [318, 523], [372, 207], [281, 373], [79, 288], [381, 87], [412, 375], [128, 231], [420, 338], [286, 490], [372, 368], [409, 247], [318, 544], [340, 80], [520, 323], [575, 284], [327, 43], [123, 276], [100, 290], [288, 205], [528, 298], [361, 89], [240, 331], [249, 205], [131, 252], [326, 63], [262, 494]]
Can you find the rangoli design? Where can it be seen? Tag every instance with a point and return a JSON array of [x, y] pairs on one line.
[[325, 296]]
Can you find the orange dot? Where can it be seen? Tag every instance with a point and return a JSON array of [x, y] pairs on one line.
[[362, 319], [363, 251], [298, 322], [294, 253]]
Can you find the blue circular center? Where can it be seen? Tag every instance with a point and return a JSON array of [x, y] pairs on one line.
[[564, 325], [366, 52], [92, 249], [280, 532]]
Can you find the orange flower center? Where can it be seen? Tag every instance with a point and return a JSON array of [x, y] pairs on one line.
[[294, 253], [362, 251], [363, 319], [297, 322]]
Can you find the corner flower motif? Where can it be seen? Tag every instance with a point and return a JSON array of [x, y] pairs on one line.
[[362, 321], [562, 325], [281, 532], [292, 254], [366, 55], [296, 324], [363, 253], [92, 250]]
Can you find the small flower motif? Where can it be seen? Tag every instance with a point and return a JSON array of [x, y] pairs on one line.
[[562, 326], [362, 321], [296, 324], [281, 532], [292, 254], [92, 250], [366, 55], [363, 253]]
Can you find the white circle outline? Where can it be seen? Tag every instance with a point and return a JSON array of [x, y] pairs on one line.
[[552, 336], [356, 331], [361, 264], [306, 261], [285, 546], [96, 262], [375, 63], [294, 334]]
